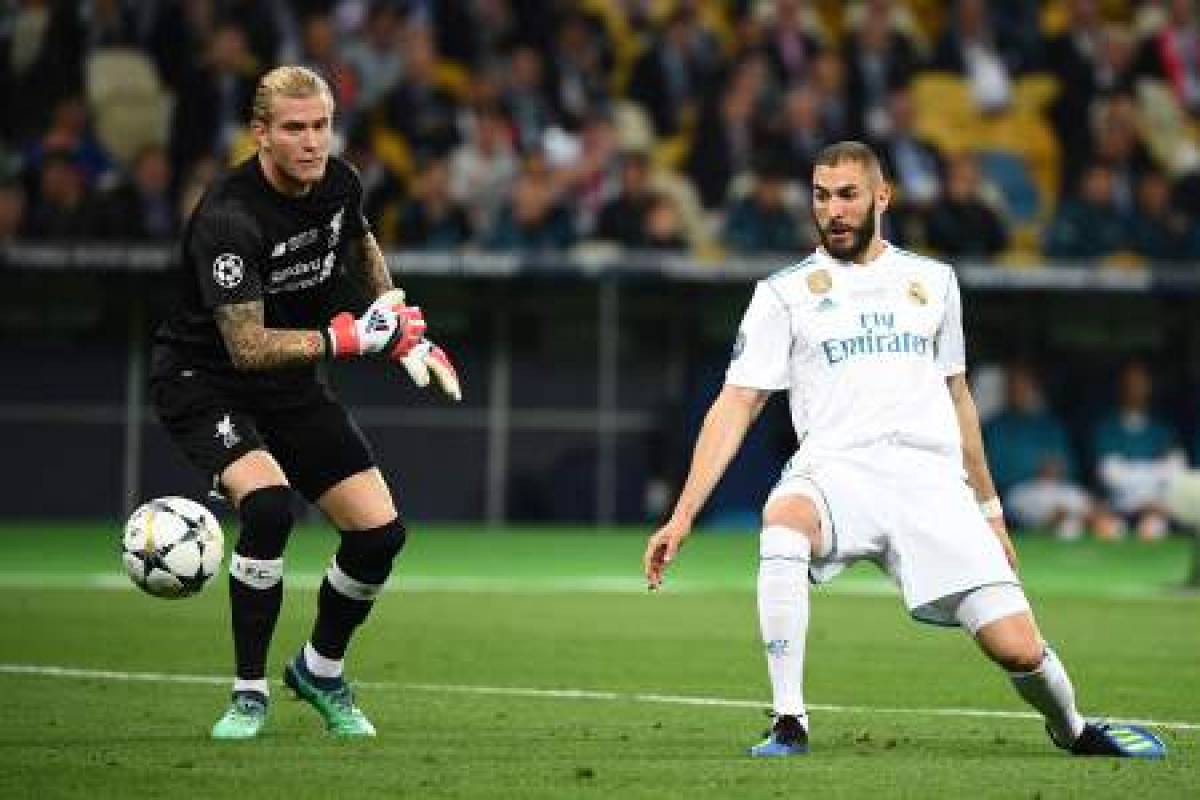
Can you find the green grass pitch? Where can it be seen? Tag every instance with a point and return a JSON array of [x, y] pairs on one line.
[[531, 663]]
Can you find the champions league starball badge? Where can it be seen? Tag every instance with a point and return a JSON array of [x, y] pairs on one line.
[[228, 270]]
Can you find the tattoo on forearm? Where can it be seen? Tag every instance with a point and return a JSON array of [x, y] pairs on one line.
[[370, 267], [252, 346]]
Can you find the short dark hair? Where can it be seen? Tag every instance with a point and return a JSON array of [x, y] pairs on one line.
[[849, 150]]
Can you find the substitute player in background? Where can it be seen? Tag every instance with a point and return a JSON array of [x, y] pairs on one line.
[[868, 340], [273, 257]]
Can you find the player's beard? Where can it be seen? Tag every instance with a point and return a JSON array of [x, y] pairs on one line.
[[860, 238]]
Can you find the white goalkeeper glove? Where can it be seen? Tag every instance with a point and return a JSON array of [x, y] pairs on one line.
[[426, 361], [385, 327]]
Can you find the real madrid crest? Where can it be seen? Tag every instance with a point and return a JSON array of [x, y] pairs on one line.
[[916, 293], [819, 281]]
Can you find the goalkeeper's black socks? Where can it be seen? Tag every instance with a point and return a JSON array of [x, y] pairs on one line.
[[256, 577], [353, 581]]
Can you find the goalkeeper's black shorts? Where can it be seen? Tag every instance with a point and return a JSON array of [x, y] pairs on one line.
[[217, 419]]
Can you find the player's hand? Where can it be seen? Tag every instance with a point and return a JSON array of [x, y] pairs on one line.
[[426, 361], [661, 549], [387, 326], [1001, 531]]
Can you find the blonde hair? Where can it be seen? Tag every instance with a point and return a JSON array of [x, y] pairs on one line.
[[287, 81]]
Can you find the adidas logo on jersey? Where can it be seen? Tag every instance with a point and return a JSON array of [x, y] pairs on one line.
[[826, 305]]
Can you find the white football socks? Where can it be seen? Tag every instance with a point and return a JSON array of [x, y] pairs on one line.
[[783, 613], [319, 665], [1049, 690], [260, 685]]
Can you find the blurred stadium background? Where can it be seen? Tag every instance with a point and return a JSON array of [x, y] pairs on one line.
[[581, 193]]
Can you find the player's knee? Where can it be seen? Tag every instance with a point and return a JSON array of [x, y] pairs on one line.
[[1023, 656], [267, 520], [367, 556], [797, 512]]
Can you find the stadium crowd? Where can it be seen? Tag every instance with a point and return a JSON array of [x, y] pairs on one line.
[[1012, 130]]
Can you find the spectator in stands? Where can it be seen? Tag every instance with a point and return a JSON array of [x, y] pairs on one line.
[[213, 97], [42, 63], [878, 60], [593, 176], [382, 188], [420, 108], [1119, 145], [141, 207], [623, 220], [799, 135], [670, 77], [1137, 455], [526, 98], [375, 55], [1071, 57], [1170, 54], [1159, 230], [791, 46], [663, 226], [963, 224], [62, 209], [12, 209], [70, 133], [914, 166], [483, 168], [533, 220], [728, 135], [1088, 226], [579, 69], [829, 79], [971, 47], [432, 220], [321, 53], [761, 222], [1032, 461]]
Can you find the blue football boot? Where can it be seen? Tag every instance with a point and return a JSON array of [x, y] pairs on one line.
[[787, 737], [1115, 739]]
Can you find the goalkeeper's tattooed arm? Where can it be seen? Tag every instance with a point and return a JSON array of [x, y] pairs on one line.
[[252, 346], [368, 267]]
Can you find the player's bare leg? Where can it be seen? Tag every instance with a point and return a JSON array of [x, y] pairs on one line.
[[257, 488], [791, 532], [1016, 645], [362, 509]]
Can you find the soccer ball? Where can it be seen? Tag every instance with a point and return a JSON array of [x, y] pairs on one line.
[[171, 547]]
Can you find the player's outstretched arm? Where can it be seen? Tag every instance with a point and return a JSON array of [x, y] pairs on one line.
[[724, 428], [975, 460]]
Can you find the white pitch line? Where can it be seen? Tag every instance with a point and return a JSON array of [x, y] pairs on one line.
[[52, 671]]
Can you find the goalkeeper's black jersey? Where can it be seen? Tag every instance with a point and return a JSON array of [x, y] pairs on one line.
[[245, 242]]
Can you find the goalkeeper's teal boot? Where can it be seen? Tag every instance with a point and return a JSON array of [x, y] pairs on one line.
[[331, 697], [245, 717]]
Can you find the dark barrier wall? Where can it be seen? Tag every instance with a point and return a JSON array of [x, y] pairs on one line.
[[582, 393]]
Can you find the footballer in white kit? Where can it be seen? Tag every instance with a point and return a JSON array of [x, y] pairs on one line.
[[864, 351], [867, 339]]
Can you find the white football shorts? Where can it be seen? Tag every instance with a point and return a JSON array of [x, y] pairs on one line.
[[909, 511]]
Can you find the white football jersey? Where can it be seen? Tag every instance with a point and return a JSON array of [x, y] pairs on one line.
[[864, 350]]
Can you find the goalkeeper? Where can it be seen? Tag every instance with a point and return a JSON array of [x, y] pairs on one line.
[[274, 254]]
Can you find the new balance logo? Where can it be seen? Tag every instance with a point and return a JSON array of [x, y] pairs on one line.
[[777, 648], [225, 432]]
